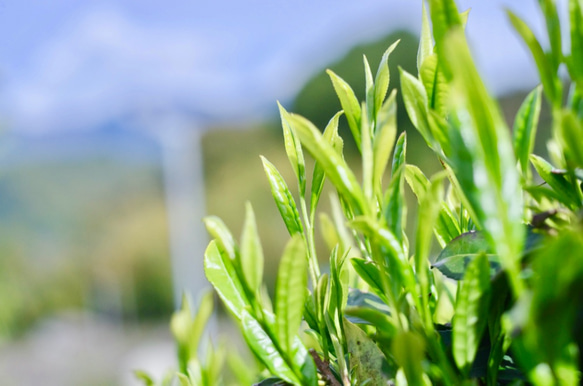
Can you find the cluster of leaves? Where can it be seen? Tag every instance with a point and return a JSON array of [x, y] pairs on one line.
[[499, 304]]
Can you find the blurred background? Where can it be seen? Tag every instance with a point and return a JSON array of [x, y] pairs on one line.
[[123, 122]]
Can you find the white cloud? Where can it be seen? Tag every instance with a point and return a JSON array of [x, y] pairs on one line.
[[103, 65]]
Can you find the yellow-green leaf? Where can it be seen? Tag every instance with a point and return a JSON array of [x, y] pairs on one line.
[[251, 252], [471, 313], [349, 104], [283, 198], [221, 274], [290, 291]]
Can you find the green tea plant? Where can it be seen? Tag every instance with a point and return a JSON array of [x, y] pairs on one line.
[[501, 303]]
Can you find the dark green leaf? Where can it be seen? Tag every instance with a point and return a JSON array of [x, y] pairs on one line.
[[455, 258], [361, 299], [273, 381], [366, 359]]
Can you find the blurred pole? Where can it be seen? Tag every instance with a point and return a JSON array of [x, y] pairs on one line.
[[185, 205]]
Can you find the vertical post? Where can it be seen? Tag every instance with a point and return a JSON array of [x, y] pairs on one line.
[[185, 205]]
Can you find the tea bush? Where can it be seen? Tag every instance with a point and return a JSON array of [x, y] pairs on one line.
[[500, 303]]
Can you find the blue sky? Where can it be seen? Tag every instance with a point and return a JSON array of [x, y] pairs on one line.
[[79, 65]]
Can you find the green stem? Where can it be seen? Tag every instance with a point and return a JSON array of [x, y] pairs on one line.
[[309, 238]]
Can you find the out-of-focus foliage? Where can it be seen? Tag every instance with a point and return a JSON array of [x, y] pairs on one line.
[[89, 235]]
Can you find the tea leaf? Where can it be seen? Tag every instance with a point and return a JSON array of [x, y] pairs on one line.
[[369, 272], [184, 380], [221, 274], [293, 149], [188, 330], [576, 33], [426, 40], [272, 381], [390, 256], [454, 259], [446, 227], [394, 201], [556, 181], [549, 9], [525, 125], [493, 186], [471, 312], [367, 157], [415, 99], [251, 252], [548, 78], [263, 347], [333, 164], [373, 317], [332, 137], [349, 104], [366, 359], [435, 83], [408, 349], [338, 282], [382, 80], [386, 130], [369, 106], [444, 17], [219, 231], [283, 198], [570, 134], [290, 291], [144, 377], [427, 215]]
